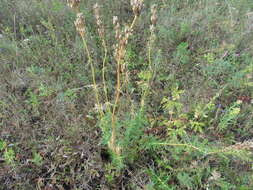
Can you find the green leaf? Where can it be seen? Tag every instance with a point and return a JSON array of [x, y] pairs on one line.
[[185, 180], [37, 159], [3, 144], [9, 156]]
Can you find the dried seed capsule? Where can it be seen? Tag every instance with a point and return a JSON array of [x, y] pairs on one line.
[[80, 24], [136, 6], [74, 4], [154, 14], [101, 30]]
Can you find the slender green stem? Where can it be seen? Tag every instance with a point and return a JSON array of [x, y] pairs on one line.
[[103, 71], [175, 144], [221, 150], [150, 70], [93, 75], [133, 22], [131, 27]]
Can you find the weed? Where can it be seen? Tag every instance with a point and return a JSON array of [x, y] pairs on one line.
[[37, 159], [8, 152], [9, 156], [230, 116]]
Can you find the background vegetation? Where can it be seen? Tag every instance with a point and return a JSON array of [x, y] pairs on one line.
[[193, 131]]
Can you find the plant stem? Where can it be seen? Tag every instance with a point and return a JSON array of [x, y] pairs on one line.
[[172, 144], [221, 150], [103, 71], [113, 137], [146, 88], [93, 74], [133, 22], [120, 60]]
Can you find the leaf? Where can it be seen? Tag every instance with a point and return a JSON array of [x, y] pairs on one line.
[[185, 180], [3, 144], [9, 156], [37, 159]]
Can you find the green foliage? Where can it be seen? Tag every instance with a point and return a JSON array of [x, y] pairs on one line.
[[7, 152], [185, 180], [184, 164], [203, 114], [182, 54], [172, 105], [131, 58], [197, 126], [159, 180], [176, 122], [105, 126], [9, 155], [133, 139], [3, 145], [224, 71], [210, 58], [44, 91], [33, 99], [230, 116], [70, 94], [37, 159], [145, 75], [35, 70]]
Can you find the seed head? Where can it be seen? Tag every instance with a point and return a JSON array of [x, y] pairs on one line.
[[117, 28], [115, 20], [80, 24], [136, 6], [152, 28], [153, 20], [153, 15], [74, 4], [128, 32], [101, 30]]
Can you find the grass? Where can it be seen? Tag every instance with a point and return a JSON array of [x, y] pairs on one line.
[[128, 96]]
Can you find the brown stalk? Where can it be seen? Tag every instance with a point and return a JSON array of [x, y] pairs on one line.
[[119, 55], [101, 32], [80, 28]]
